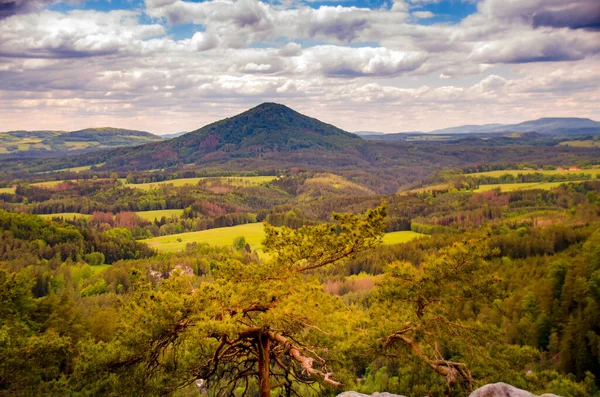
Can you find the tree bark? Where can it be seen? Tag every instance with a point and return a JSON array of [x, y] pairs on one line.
[[263, 343]]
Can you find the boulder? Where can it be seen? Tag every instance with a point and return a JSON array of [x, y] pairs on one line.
[[376, 394], [504, 390]]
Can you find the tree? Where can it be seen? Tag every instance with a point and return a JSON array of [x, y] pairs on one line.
[[259, 325], [430, 310]]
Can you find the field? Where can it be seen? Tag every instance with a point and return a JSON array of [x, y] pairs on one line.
[[586, 143], [65, 215], [400, 237], [151, 215], [7, 190], [508, 187], [594, 172], [235, 181], [253, 233]]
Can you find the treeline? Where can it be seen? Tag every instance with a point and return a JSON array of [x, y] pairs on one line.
[[28, 239]]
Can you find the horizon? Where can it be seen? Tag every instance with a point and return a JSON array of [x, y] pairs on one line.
[[276, 103], [168, 66]]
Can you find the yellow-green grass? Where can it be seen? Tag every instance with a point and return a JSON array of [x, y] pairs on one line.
[[400, 237], [66, 215], [498, 173], [252, 232], [7, 190], [99, 268], [224, 236], [508, 187], [586, 143], [49, 184], [151, 215], [233, 180]]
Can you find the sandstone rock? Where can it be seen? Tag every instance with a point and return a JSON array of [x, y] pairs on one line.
[[376, 394], [504, 390]]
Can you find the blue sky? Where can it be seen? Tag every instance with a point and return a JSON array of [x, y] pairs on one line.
[[172, 65]]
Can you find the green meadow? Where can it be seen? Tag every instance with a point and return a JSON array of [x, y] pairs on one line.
[[498, 173], [151, 215], [66, 215], [252, 232], [508, 187], [400, 237], [233, 180]]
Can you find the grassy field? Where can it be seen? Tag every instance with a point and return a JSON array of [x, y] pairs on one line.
[[151, 215], [234, 180], [508, 187], [253, 233], [7, 190], [586, 143], [65, 215], [99, 268], [594, 172], [400, 237]]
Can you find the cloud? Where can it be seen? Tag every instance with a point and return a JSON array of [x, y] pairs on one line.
[[51, 34], [354, 62], [423, 14], [573, 14], [13, 7], [126, 68]]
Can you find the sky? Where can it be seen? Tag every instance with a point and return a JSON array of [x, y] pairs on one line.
[[167, 66]]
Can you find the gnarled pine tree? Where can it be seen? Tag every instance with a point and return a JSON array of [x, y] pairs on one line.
[[265, 325]]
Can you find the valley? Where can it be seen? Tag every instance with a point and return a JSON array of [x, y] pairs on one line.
[[420, 266]]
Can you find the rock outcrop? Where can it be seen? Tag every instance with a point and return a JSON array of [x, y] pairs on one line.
[[504, 390], [376, 394], [492, 390]]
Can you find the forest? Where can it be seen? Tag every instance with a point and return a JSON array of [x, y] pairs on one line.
[[500, 286]]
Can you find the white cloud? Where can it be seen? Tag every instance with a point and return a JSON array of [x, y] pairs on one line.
[[82, 68]]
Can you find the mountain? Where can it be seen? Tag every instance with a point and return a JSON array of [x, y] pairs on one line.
[[547, 125], [175, 135], [53, 143], [267, 132]]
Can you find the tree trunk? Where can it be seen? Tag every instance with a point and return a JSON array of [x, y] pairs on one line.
[[263, 365]]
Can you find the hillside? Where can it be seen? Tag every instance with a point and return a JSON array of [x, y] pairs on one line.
[[54, 143], [264, 132]]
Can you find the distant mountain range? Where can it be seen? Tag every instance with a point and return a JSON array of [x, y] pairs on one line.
[[547, 125], [54, 143], [271, 138], [175, 135]]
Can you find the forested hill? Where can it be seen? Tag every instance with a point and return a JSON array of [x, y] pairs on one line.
[[55, 143], [261, 132]]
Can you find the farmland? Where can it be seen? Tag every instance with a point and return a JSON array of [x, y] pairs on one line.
[[158, 214], [594, 172], [253, 233], [508, 187], [234, 181]]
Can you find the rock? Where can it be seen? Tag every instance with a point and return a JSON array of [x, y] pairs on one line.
[[504, 390], [376, 394]]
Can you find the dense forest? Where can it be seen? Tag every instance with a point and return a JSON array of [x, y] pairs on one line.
[[422, 268], [502, 286]]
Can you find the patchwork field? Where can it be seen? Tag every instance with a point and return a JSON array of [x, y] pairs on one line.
[[253, 233], [234, 181]]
